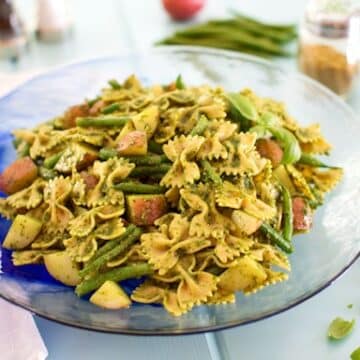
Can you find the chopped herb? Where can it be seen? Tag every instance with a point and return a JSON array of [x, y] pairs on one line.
[[350, 306], [339, 328]]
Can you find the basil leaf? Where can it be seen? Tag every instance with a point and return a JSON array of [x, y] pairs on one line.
[[242, 109], [339, 328], [355, 355], [289, 143]]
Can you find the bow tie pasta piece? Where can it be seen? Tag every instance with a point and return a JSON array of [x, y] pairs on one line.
[[230, 247], [182, 152], [209, 221], [109, 172], [269, 255], [56, 193], [324, 180], [149, 292], [83, 224], [44, 141], [27, 257], [194, 287], [217, 132], [110, 229], [29, 198], [46, 240], [300, 182], [229, 195], [81, 249]]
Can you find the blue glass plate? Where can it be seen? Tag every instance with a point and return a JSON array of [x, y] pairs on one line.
[[319, 257]]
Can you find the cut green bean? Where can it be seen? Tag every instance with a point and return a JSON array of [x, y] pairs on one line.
[[179, 83], [51, 161], [138, 188], [119, 274], [150, 170], [107, 153], [102, 121], [110, 108], [114, 84], [154, 147], [276, 238], [288, 214], [308, 159], [211, 173], [148, 159], [109, 255], [200, 126], [111, 244], [47, 174]]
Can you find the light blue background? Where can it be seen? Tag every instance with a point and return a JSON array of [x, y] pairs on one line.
[[110, 27]]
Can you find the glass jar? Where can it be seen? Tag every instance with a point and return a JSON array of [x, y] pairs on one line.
[[329, 43]]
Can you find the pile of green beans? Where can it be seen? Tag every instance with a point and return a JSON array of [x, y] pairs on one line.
[[239, 33]]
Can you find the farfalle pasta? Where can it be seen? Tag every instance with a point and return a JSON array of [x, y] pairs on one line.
[[195, 191]]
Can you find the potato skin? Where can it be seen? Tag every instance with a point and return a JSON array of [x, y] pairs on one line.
[[19, 175], [271, 150], [89, 179], [302, 217], [69, 120], [145, 209], [133, 143]]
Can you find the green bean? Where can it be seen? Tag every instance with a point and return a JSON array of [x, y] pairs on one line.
[[255, 29], [107, 153], [109, 255], [234, 34], [288, 214], [150, 170], [110, 108], [138, 188], [276, 237], [200, 126], [23, 149], [51, 161], [92, 102], [211, 173], [111, 244], [308, 159], [213, 43], [154, 147], [179, 83], [119, 274], [102, 121], [47, 174], [114, 84], [148, 159], [290, 28]]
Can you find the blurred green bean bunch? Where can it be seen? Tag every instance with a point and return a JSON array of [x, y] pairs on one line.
[[239, 33]]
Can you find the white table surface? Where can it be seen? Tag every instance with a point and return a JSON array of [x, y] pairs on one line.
[[110, 27]]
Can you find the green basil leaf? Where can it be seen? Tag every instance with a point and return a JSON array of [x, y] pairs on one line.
[[355, 355], [339, 328], [289, 143], [242, 109]]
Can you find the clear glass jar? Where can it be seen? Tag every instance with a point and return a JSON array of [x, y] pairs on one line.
[[329, 43]]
